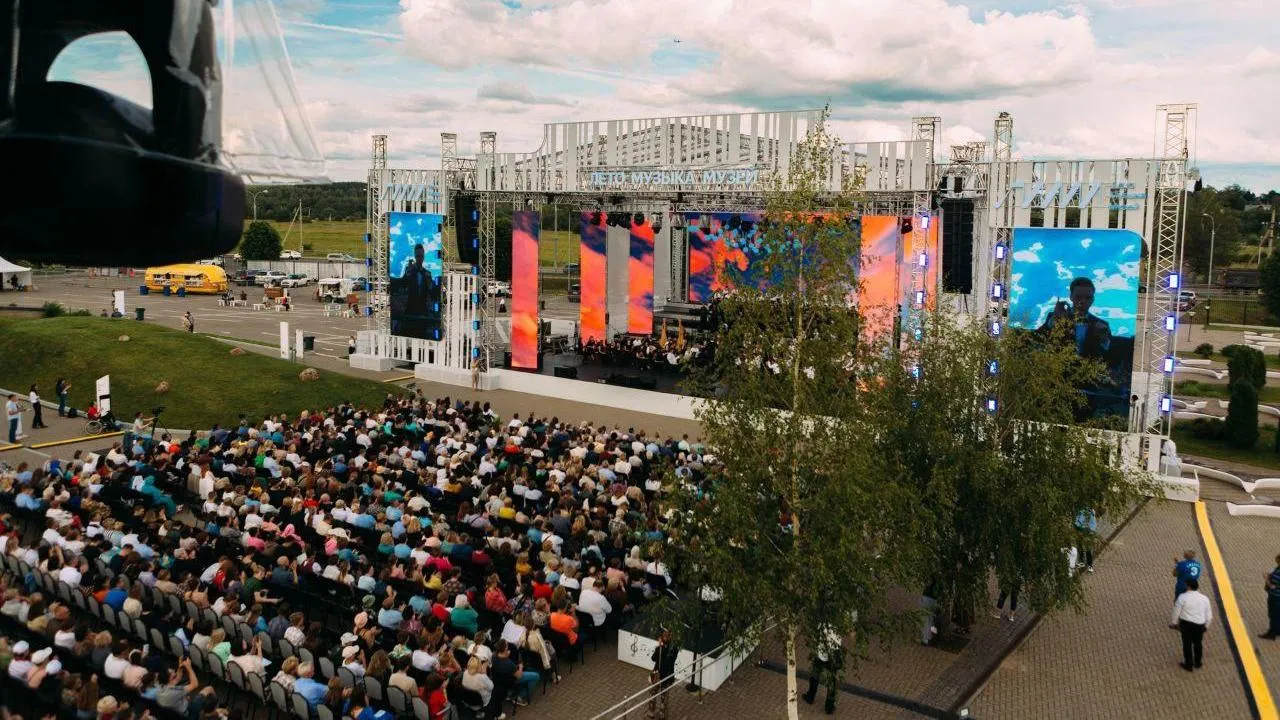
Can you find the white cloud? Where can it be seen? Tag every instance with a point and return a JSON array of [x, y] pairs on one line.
[[1030, 255], [1085, 243]]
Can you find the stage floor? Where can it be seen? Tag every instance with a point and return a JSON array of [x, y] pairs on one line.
[[599, 372]]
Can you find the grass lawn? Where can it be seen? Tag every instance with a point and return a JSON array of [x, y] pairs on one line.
[[208, 383], [1261, 455], [1273, 361], [556, 248], [1269, 394]]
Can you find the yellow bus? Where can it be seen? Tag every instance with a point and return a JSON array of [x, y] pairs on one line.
[[208, 279]]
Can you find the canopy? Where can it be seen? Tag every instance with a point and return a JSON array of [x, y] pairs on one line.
[[9, 271]]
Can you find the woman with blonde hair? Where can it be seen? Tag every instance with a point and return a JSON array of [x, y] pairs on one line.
[[379, 666], [476, 677], [288, 673]]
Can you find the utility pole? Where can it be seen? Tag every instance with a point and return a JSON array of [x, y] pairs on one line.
[[1213, 233]]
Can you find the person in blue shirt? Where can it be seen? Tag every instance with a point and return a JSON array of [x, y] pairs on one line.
[[1187, 569], [1273, 603], [306, 685], [1087, 526], [389, 617], [117, 595]]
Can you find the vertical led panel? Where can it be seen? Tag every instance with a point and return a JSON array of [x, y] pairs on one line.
[[592, 261], [879, 292], [525, 229], [640, 278]]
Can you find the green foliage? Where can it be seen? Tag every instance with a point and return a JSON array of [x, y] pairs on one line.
[[80, 313], [1246, 363], [329, 201], [1204, 350], [260, 242], [52, 309], [1241, 428], [1269, 281], [1206, 429]]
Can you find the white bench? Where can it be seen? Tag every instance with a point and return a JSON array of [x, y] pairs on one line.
[[259, 306]]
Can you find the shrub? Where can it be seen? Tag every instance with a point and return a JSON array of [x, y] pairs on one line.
[[1241, 428], [1204, 350], [1244, 362], [1206, 429], [80, 313], [53, 309]]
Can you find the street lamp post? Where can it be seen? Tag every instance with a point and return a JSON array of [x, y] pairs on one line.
[[255, 195], [1213, 234]]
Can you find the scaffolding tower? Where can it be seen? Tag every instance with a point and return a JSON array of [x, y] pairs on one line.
[[377, 308], [486, 171]]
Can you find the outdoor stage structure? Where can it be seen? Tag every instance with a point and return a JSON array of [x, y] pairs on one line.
[[669, 170]]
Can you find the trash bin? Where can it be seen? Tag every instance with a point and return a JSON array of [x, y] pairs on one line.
[[308, 343], [143, 290], [182, 292], [167, 291], [139, 313]]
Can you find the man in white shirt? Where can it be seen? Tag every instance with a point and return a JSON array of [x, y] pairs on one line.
[[593, 603], [1191, 616], [70, 575]]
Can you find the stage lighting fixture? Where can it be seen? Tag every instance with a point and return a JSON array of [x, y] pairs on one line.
[[992, 367], [919, 297], [997, 291], [922, 260], [905, 226], [1170, 323], [638, 219], [915, 371], [991, 404], [995, 327], [1173, 281], [597, 218], [924, 222], [1166, 404], [1168, 364], [1000, 251], [368, 238]]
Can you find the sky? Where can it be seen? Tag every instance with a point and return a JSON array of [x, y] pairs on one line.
[[1051, 258], [1081, 79]]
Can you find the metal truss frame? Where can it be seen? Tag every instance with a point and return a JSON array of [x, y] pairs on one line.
[[1000, 212], [1175, 135], [487, 269], [376, 241]]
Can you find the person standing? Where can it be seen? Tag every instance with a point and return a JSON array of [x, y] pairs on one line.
[[188, 322], [1188, 568], [1273, 603], [62, 388], [37, 422], [351, 345], [13, 414], [475, 373], [1087, 526], [825, 665], [662, 677], [1191, 617]]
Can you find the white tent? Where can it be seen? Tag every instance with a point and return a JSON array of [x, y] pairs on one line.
[[8, 271]]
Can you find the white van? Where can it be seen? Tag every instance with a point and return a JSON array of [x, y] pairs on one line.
[[339, 257], [334, 290]]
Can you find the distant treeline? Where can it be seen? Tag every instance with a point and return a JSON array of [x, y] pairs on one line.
[[331, 201]]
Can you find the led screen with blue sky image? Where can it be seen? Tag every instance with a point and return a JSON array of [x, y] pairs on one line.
[[1087, 280]]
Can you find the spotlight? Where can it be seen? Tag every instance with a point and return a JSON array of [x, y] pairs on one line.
[[995, 327], [1170, 323], [992, 367], [997, 291], [924, 222], [1168, 364], [1000, 251], [915, 371], [368, 238], [1166, 404], [919, 297], [1173, 281], [991, 404], [905, 226], [922, 260], [638, 219]]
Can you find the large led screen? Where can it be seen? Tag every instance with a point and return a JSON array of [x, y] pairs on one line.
[[721, 248], [525, 229], [640, 278], [1088, 280], [592, 266], [878, 285], [415, 268]]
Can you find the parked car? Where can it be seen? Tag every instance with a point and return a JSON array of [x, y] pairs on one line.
[[497, 288], [291, 255], [297, 280], [249, 277], [339, 257], [358, 283], [270, 277], [575, 292], [212, 261], [1186, 300]]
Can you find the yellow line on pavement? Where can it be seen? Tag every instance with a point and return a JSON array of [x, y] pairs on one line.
[[400, 379], [69, 441], [1257, 683], [15, 446]]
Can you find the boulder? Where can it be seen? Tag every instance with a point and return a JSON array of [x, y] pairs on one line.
[[309, 375], [163, 387], [237, 351], [123, 338]]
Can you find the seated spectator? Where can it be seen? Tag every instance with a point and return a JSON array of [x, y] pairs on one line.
[[476, 678], [463, 617]]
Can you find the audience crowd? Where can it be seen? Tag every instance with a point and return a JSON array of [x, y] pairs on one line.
[[425, 558]]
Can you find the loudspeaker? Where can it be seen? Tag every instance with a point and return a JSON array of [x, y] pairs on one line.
[[467, 229], [506, 359], [957, 246], [563, 371], [957, 184]]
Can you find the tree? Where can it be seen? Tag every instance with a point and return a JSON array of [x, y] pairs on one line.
[[804, 529], [261, 241], [1269, 283], [1247, 373], [985, 429], [1200, 232]]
